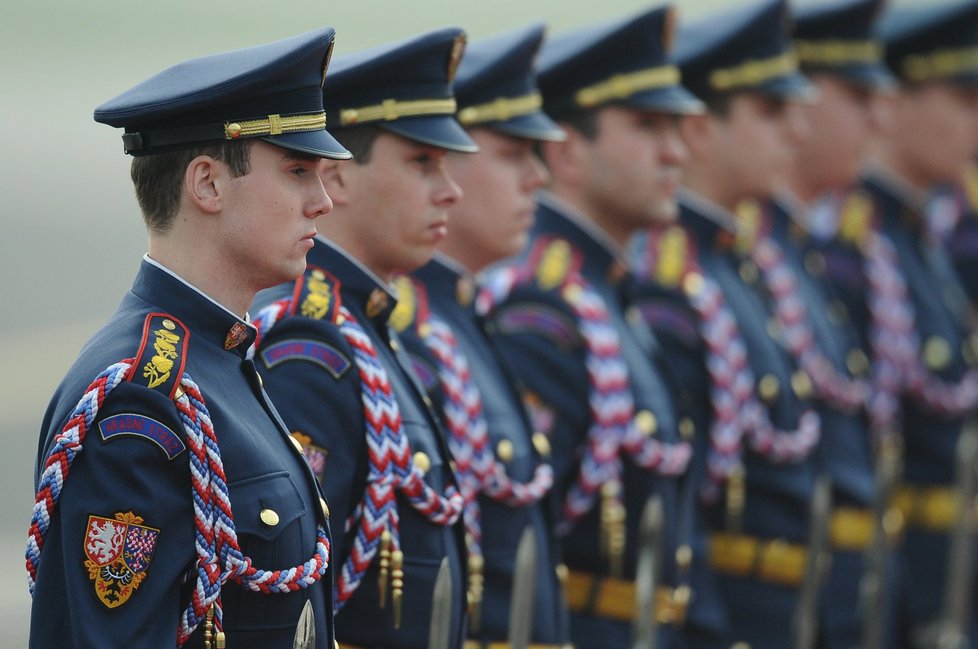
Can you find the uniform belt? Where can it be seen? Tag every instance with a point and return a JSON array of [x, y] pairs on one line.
[[932, 508], [615, 598], [478, 644]]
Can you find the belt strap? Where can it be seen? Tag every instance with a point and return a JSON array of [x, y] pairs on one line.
[[615, 598], [930, 508], [479, 644]]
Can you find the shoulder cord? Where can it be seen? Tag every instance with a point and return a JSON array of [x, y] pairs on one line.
[[219, 556], [841, 392], [896, 345], [391, 469]]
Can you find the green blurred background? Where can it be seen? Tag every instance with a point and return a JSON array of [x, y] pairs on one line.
[[72, 236]]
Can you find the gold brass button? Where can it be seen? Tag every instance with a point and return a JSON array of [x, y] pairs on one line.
[[340, 318], [394, 345], [937, 353], [424, 329], [541, 444], [687, 428], [748, 272], [801, 383], [504, 450], [169, 324], [684, 557], [562, 572], [857, 362], [322, 503], [422, 461], [768, 387], [815, 263], [268, 517], [646, 422]]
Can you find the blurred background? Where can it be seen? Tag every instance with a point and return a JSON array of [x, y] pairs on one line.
[[72, 236]]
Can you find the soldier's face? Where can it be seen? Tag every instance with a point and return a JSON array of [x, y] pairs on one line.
[[753, 145], [634, 167], [839, 120], [935, 132], [272, 212], [492, 219], [394, 208]]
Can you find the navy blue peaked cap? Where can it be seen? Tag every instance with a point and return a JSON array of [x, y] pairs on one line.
[[838, 37], [623, 62], [272, 91], [933, 43], [744, 49], [403, 87], [496, 86]]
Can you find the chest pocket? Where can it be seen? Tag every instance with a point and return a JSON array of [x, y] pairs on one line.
[[264, 506]]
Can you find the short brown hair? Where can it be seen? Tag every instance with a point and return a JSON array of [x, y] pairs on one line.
[[158, 178], [358, 140]]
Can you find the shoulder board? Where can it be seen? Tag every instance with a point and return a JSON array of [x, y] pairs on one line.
[[412, 303], [971, 187], [748, 213], [671, 256], [855, 215], [317, 295], [552, 261], [162, 354]]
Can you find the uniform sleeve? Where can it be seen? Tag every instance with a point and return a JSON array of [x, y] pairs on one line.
[[121, 540], [310, 375], [538, 338]]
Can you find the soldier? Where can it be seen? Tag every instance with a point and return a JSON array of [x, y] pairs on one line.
[[900, 290], [757, 427], [190, 519], [560, 316], [502, 463], [343, 382], [837, 51]]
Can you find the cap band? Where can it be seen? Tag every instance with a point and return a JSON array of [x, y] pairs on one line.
[[392, 109], [500, 109], [838, 52], [275, 125], [622, 86], [940, 64], [149, 141], [753, 73]]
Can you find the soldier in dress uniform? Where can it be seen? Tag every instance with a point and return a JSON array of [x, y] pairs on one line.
[[721, 330], [900, 290], [502, 462], [190, 519], [838, 53], [560, 309], [342, 379]]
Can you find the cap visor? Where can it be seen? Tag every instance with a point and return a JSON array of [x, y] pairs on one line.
[[534, 126], [440, 131], [670, 99], [789, 86], [318, 143]]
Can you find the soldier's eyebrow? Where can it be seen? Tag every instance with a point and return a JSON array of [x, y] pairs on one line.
[[289, 154]]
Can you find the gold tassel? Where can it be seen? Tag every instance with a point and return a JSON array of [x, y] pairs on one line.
[[612, 527], [736, 498], [209, 628], [476, 581], [385, 561], [397, 585]]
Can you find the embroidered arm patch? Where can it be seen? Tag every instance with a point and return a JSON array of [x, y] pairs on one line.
[[118, 551], [133, 425], [540, 320], [312, 351]]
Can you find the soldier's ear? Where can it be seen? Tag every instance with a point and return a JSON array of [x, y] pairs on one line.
[[697, 132], [567, 158], [203, 183], [334, 175]]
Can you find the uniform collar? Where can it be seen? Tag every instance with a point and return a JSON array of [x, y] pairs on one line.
[[359, 286], [708, 222], [601, 256], [444, 277], [203, 315]]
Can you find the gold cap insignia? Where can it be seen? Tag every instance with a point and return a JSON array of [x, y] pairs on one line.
[[455, 56]]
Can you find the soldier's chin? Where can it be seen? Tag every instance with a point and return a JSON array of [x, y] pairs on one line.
[[664, 212]]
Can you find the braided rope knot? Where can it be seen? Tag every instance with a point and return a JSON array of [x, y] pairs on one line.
[[219, 556]]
